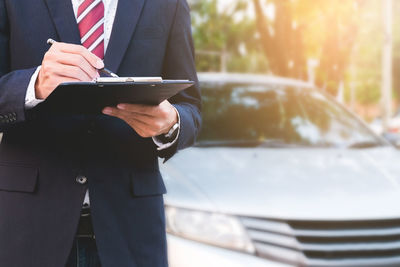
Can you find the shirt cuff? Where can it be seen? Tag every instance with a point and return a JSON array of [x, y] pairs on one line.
[[160, 144], [30, 99]]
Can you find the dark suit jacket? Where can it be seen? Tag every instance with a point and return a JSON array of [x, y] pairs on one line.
[[42, 154]]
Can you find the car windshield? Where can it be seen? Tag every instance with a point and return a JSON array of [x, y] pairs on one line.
[[249, 115]]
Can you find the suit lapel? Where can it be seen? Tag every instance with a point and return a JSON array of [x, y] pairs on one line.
[[64, 20], [126, 19]]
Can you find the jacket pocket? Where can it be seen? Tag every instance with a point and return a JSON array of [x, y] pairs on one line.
[[18, 178], [147, 183]]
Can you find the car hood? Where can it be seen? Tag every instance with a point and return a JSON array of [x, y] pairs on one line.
[[297, 184]]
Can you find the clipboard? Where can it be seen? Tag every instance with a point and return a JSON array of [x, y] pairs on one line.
[[92, 97]]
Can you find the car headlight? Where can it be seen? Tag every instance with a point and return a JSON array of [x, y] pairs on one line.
[[212, 228]]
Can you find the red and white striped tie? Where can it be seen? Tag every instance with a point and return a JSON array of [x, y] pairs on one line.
[[90, 20]]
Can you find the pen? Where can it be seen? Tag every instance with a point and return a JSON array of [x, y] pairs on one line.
[[103, 70]]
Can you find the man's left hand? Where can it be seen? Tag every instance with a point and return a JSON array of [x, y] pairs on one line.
[[147, 121]]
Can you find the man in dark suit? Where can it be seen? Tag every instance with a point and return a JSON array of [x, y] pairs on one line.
[[54, 167]]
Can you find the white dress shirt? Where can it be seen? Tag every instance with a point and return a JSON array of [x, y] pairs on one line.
[[110, 9]]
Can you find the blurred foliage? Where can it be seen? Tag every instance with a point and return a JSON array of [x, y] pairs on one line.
[[329, 31], [222, 35], [345, 38]]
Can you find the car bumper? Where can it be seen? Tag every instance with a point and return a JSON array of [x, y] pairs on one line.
[[186, 253]]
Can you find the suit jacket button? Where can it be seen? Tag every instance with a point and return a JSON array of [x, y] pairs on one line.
[[81, 179]]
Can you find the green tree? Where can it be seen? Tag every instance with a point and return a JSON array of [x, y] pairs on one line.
[[228, 36]]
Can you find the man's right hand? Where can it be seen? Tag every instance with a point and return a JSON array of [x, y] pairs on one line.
[[66, 63]]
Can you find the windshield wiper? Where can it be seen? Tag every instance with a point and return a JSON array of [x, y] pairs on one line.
[[245, 143], [275, 143], [228, 143], [365, 144]]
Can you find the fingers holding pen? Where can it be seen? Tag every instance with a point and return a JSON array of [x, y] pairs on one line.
[[91, 58], [76, 60], [70, 71], [65, 62]]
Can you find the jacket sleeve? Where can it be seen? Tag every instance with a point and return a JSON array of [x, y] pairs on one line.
[[13, 84], [179, 64]]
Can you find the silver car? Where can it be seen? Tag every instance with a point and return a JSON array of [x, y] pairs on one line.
[[281, 175]]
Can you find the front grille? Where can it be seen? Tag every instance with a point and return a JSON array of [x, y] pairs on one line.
[[326, 243]]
